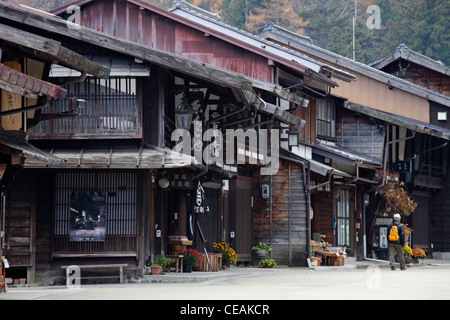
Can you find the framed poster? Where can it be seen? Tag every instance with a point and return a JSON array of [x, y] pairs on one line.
[[87, 216]]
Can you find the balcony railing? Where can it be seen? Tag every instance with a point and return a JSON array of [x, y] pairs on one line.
[[430, 177], [106, 112]]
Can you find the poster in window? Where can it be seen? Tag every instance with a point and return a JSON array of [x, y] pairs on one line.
[[87, 216]]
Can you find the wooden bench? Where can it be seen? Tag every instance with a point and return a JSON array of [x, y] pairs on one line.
[[96, 266], [178, 261]]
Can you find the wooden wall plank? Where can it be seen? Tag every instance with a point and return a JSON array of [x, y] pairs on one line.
[[281, 220]]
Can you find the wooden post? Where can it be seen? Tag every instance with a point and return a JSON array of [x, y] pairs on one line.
[[2, 276]]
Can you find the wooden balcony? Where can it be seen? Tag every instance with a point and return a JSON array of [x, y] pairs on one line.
[[430, 177], [103, 116]]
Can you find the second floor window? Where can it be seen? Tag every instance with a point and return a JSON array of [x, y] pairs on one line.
[[110, 108], [326, 119]]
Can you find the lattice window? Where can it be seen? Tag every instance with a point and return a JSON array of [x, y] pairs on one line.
[[117, 192], [110, 108]]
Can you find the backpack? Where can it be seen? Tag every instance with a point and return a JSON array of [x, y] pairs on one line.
[[393, 234]]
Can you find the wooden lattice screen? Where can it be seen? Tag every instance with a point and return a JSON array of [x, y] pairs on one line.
[[120, 192]]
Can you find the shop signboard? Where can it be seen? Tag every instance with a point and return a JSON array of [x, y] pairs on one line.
[[383, 237], [401, 166]]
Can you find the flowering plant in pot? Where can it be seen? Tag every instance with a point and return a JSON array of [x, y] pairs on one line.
[[407, 252], [229, 256], [191, 257], [418, 254]]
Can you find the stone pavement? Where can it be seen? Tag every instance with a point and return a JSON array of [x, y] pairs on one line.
[[429, 280], [350, 264]]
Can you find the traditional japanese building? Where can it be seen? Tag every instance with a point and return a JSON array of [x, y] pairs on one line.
[[120, 191], [190, 32], [401, 103]]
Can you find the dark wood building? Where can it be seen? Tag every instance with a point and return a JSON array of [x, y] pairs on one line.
[[431, 165], [416, 68], [26, 57], [396, 114], [195, 38], [117, 143]]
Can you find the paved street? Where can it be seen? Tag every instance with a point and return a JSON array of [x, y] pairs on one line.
[[373, 281]]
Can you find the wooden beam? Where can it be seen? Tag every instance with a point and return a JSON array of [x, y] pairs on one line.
[[282, 115], [168, 60], [29, 40], [412, 125], [53, 50], [25, 85]]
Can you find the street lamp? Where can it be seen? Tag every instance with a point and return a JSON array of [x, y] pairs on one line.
[[183, 115], [293, 136]]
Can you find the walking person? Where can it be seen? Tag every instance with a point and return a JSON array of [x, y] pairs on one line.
[[396, 237]]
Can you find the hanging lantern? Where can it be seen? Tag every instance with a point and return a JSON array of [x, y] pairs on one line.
[[293, 137], [183, 115]]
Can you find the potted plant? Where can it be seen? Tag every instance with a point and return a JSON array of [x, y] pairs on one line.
[[267, 263], [407, 252], [160, 263], [229, 256], [261, 249], [191, 258], [418, 254]]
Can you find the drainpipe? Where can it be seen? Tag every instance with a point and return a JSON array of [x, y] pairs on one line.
[[14, 111]]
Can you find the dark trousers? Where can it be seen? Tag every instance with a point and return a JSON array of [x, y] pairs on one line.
[[399, 248]]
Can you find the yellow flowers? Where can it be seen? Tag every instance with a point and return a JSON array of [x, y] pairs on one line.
[[407, 251], [418, 253], [229, 256]]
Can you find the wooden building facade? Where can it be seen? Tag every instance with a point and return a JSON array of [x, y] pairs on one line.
[[26, 57], [184, 32], [115, 153], [432, 164], [400, 110], [117, 144]]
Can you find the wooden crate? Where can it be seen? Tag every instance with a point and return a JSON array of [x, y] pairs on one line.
[[336, 260], [214, 258]]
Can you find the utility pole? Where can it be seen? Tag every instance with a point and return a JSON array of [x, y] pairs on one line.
[[354, 27]]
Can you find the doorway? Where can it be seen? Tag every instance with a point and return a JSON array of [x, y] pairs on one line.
[[421, 221], [241, 218]]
